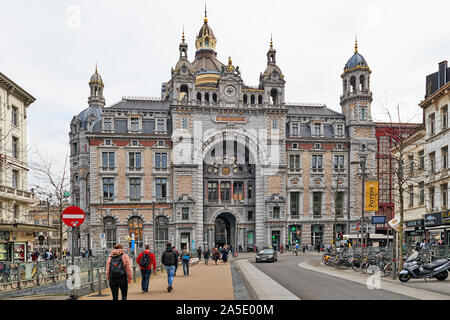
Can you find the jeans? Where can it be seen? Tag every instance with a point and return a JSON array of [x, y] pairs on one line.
[[145, 279], [170, 272], [115, 284], [185, 266]]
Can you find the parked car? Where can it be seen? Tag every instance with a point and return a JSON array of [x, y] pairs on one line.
[[266, 255]]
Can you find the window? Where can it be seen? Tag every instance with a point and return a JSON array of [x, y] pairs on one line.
[[317, 163], [108, 160], [294, 129], [421, 160], [363, 113], [108, 188], [411, 164], [431, 123], [444, 192], [74, 148], [134, 160], [431, 192], [339, 163], [421, 192], [317, 146], [110, 232], [294, 163], [339, 146], [134, 143], [212, 191], [14, 116], [411, 195], [225, 191], [134, 124], [161, 188], [107, 142], [339, 203], [161, 125], [275, 124], [363, 160], [15, 147], [250, 190], [135, 189], [295, 203], [238, 190], [107, 124], [317, 203], [15, 179], [185, 214], [16, 211], [136, 226], [432, 162], [444, 153], [160, 161], [276, 212], [444, 116], [317, 129], [184, 123], [250, 215], [340, 130]]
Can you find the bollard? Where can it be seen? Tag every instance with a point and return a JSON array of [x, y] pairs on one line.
[[19, 285]]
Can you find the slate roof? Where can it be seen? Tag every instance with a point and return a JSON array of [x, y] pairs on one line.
[[137, 103], [312, 110]]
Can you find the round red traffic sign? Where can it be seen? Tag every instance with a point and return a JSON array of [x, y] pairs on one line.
[[73, 216]]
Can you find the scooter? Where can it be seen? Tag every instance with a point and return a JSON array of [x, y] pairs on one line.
[[412, 268]]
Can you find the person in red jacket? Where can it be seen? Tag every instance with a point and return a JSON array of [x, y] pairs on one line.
[[146, 260]]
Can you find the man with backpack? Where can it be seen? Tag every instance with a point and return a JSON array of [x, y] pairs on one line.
[[145, 260], [118, 272], [169, 260]]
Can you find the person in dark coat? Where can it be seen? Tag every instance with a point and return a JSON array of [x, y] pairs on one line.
[[206, 255], [199, 253], [225, 254]]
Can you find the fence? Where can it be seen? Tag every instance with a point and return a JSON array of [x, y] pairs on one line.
[[52, 273]]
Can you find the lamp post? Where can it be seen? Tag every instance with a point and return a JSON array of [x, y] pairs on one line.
[[362, 164]]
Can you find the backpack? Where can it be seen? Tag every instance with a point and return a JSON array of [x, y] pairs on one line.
[[116, 267], [186, 257], [145, 260], [168, 258]]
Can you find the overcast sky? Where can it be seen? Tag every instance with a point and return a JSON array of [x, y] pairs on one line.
[[50, 48]]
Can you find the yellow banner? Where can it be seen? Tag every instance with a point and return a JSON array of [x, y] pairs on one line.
[[371, 201]]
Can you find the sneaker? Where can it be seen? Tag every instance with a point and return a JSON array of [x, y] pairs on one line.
[[170, 288]]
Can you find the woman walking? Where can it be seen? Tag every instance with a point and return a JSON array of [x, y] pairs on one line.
[[216, 255], [206, 254], [225, 254], [118, 272]]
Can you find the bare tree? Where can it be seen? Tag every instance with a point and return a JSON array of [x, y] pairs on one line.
[[53, 182]]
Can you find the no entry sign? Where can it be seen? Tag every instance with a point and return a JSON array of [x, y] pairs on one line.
[[73, 216]]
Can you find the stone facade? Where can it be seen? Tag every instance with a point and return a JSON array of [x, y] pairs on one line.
[[240, 165]]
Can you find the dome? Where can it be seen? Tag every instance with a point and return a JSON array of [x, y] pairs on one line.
[[96, 78], [356, 60], [92, 113], [206, 30]]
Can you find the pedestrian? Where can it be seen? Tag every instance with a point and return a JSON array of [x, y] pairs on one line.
[[224, 254], [304, 248], [169, 260], [206, 254], [90, 252], [185, 258], [118, 272], [216, 255], [178, 258], [199, 253], [146, 260]]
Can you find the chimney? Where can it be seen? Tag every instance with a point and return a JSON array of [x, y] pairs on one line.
[[442, 73]]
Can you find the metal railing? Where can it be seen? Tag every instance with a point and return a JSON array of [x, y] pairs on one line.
[[16, 276]]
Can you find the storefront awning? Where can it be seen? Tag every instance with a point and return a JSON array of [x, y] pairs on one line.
[[25, 227]]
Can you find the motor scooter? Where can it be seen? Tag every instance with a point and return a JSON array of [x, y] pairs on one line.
[[413, 268]]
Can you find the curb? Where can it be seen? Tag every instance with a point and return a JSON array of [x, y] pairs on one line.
[[247, 283]]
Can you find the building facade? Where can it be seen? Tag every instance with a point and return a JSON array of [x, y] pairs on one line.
[[16, 233], [215, 161]]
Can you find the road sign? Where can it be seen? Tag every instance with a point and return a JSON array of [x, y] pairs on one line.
[[73, 216]]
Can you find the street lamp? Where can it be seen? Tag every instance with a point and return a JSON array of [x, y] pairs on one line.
[[362, 164]]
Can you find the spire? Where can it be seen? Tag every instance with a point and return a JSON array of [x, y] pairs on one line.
[[356, 44], [96, 69], [271, 42], [206, 15], [182, 38]]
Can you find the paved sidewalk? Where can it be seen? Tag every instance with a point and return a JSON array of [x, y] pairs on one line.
[[428, 291], [205, 282]]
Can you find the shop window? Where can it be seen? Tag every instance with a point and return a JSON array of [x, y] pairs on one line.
[[135, 225]]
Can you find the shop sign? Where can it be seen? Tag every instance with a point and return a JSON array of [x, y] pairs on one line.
[[446, 217], [414, 223], [371, 196], [419, 230], [433, 219], [4, 235]]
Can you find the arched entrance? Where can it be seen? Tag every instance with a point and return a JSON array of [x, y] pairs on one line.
[[225, 230]]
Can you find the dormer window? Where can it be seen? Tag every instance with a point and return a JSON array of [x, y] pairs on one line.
[[317, 129], [107, 124], [161, 125], [340, 130], [294, 129], [134, 124]]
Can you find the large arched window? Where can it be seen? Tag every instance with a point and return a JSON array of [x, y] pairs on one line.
[[184, 92], [110, 232], [274, 96], [162, 233], [135, 225]]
